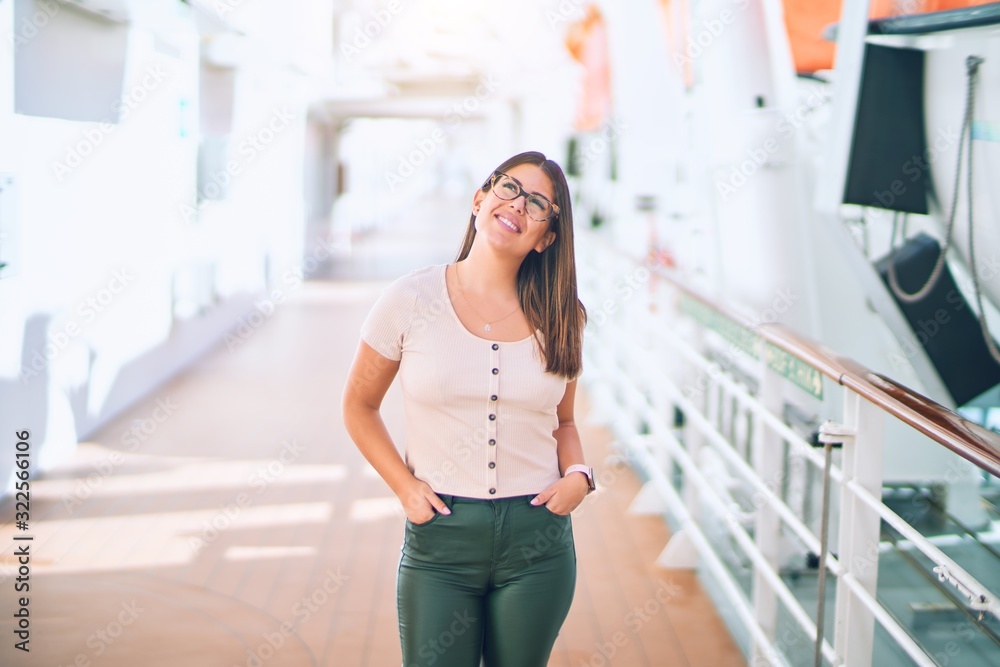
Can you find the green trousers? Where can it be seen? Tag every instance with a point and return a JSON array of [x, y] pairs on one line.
[[490, 583]]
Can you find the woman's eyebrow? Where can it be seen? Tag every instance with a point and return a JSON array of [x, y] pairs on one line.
[[520, 185]]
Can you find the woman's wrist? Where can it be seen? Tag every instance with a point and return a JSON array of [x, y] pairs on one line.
[[582, 482], [579, 483], [585, 473], [404, 485]]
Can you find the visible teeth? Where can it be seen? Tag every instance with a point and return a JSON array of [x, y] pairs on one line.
[[508, 223]]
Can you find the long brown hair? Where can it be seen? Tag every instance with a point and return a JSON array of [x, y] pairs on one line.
[[546, 281]]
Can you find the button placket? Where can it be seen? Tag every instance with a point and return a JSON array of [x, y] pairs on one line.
[[493, 404]]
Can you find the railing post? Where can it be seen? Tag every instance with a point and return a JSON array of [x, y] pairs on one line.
[[693, 442], [767, 460], [659, 396], [854, 627]]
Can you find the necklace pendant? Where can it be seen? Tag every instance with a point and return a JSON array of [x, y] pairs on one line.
[[487, 327]]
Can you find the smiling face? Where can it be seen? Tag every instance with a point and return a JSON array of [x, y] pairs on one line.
[[506, 224]]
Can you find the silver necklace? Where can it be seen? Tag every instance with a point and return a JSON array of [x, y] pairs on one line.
[[461, 289]]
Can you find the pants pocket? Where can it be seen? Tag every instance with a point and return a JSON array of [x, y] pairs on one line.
[[448, 501], [418, 526], [542, 534]]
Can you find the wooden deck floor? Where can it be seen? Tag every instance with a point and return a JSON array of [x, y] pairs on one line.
[[228, 520]]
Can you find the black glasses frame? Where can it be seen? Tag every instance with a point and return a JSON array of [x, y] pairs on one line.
[[521, 192]]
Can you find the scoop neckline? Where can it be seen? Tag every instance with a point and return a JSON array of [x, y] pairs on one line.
[[458, 321]]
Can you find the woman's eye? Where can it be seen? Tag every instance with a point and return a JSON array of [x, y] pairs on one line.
[[509, 186]]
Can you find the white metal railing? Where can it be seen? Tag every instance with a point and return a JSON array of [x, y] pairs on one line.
[[648, 352]]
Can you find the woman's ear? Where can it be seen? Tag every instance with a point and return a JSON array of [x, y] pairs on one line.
[[545, 241], [477, 200]]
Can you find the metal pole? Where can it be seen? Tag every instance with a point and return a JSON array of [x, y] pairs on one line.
[[823, 534]]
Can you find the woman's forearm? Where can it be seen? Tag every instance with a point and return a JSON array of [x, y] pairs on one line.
[[372, 439], [568, 446]]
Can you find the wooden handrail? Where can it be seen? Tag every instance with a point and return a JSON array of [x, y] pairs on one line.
[[967, 439]]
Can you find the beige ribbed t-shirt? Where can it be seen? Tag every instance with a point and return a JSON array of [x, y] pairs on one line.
[[479, 413]]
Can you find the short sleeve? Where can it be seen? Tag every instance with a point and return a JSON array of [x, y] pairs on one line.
[[388, 321]]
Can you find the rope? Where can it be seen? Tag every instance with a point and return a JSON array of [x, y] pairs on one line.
[[973, 62], [972, 67]]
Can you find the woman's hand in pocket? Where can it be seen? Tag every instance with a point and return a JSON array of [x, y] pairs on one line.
[[420, 503], [565, 495]]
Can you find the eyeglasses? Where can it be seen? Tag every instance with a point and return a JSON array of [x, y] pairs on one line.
[[536, 206]]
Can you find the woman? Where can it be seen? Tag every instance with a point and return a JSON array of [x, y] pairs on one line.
[[488, 350]]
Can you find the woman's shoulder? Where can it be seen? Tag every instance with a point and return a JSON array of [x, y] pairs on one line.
[[416, 283], [424, 274], [397, 304]]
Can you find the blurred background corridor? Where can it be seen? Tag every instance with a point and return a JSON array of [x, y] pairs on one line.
[[788, 243]]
